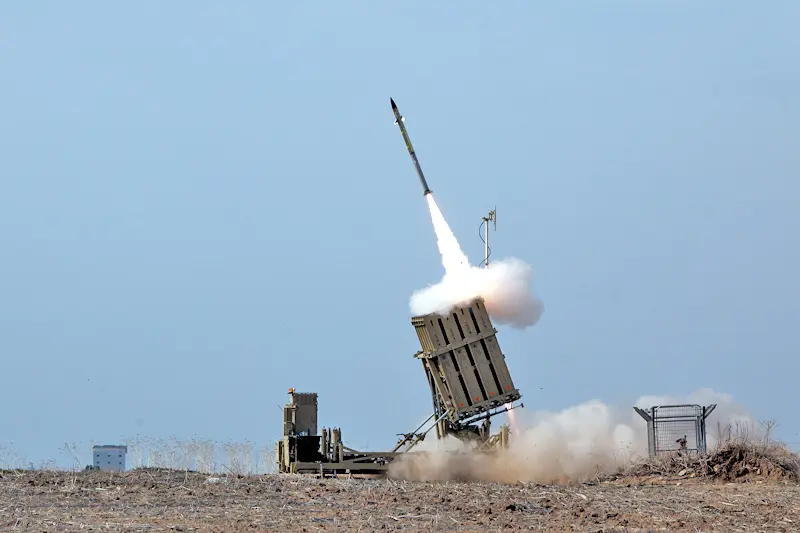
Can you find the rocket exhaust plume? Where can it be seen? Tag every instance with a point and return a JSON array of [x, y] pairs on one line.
[[505, 287], [512, 418], [453, 259]]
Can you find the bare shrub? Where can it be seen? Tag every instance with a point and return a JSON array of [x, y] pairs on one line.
[[10, 459], [240, 457], [267, 460], [71, 451], [743, 451], [203, 453]]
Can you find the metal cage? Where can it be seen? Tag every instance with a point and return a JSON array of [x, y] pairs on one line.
[[676, 428]]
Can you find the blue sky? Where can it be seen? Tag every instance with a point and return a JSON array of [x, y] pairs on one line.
[[205, 203]]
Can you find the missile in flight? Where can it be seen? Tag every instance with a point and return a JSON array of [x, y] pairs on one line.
[[399, 121]]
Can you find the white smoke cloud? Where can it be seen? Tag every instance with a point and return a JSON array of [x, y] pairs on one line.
[[727, 413], [570, 445], [505, 286]]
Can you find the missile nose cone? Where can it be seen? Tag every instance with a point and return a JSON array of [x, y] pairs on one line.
[[393, 105]]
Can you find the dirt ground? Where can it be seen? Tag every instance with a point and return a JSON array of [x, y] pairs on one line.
[[154, 500]]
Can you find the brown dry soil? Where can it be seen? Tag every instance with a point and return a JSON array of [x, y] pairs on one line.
[[157, 500]]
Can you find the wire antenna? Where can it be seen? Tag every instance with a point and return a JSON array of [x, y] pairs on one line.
[[485, 220]]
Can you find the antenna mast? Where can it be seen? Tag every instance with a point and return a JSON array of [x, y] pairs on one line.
[[485, 220]]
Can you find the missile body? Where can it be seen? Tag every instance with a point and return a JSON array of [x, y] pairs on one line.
[[399, 121]]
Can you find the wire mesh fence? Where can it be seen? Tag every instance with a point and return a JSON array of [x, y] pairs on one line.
[[676, 428]]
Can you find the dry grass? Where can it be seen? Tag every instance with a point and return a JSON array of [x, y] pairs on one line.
[[200, 455], [746, 484], [741, 456], [731, 462], [163, 500]]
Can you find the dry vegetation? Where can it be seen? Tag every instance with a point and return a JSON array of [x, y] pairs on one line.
[[742, 486], [740, 456], [161, 500], [198, 455]]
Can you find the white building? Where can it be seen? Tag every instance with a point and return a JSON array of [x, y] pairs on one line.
[[109, 458]]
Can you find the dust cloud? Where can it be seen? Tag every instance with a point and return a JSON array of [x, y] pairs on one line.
[[575, 444]]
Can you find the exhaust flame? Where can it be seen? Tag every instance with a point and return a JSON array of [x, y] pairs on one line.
[[505, 287], [512, 418]]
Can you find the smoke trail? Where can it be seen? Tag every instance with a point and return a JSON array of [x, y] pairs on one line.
[[505, 287], [453, 259], [572, 445]]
